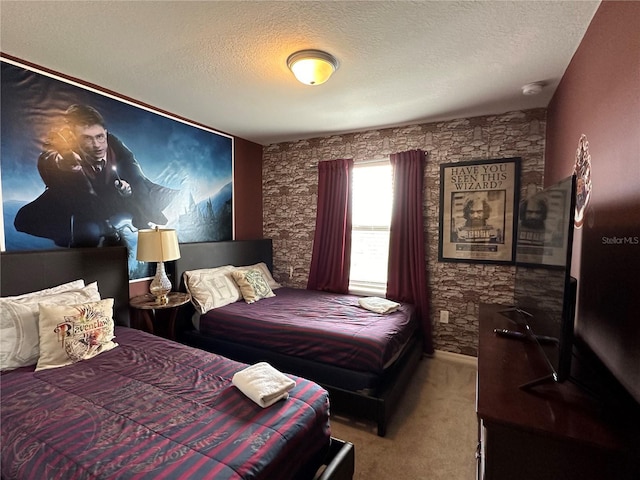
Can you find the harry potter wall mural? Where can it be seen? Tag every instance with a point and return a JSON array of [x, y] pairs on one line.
[[84, 168]]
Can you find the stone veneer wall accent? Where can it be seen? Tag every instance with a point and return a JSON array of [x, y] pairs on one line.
[[290, 186]]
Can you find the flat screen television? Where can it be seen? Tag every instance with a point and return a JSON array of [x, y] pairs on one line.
[[608, 308], [545, 292]]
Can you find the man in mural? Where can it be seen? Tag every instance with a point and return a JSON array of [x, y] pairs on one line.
[[93, 185]]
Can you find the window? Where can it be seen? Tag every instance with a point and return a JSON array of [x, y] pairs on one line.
[[371, 220]]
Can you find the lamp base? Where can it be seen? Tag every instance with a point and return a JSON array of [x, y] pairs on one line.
[[160, 285], [162, 299]]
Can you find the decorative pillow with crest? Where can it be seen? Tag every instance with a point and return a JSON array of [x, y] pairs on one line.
[[253, 285], [265, 273], [211, 287], [70, 333], [19, 338]]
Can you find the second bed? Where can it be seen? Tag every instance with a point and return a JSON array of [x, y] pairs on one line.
[[364, 359]]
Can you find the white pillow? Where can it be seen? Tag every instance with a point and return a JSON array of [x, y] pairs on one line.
[[211, 287], [265, 273], [49, 291], [19, 338], [70, 333]]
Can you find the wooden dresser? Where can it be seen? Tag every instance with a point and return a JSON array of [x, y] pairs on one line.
[[553, 431]]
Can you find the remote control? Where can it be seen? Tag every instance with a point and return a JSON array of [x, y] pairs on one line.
[[503, 332]]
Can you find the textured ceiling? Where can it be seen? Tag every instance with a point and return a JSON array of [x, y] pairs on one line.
[[223, 64]]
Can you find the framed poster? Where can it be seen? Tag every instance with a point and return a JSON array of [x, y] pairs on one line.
[[478, 207], [84, 167]]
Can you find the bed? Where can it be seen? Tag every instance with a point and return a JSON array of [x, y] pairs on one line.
[[365, 378], [148, 407]]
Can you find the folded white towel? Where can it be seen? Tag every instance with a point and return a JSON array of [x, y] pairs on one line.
[[378, 305], [263, 384]]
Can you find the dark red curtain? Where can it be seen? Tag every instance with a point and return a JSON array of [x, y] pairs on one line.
[[331, 258], [407, 275]]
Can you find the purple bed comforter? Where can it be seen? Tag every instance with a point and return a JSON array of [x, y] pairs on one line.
[[152, 409], [325, 327]]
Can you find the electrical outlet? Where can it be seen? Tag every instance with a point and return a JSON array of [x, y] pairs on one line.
[[444, 316]]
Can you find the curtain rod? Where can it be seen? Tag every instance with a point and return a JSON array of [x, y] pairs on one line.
[[360, 162]]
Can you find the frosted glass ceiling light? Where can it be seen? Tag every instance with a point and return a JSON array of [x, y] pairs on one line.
[[312, 67]]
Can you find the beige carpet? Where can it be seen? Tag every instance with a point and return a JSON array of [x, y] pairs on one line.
[[433, 433]]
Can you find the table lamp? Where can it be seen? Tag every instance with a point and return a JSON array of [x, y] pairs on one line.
[[158, 245]]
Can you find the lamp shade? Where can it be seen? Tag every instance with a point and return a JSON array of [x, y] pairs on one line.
[[157, 245], [312, 67]]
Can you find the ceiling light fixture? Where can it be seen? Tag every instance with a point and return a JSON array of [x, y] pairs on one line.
[[312, 67], [532, 88]]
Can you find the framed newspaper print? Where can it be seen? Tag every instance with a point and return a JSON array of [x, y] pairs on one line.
[[478, 207]]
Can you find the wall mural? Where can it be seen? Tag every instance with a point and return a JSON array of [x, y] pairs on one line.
[[84, 168]]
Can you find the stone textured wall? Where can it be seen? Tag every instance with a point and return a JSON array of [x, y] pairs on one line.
[[290, 195]]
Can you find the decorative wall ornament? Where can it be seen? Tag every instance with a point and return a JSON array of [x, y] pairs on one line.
[[582, 170]]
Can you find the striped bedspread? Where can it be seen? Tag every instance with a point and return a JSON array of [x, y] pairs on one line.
[[153, 409], [326, 327]]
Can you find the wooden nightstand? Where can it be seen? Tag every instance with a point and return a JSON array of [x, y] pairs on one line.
[[146, 309]]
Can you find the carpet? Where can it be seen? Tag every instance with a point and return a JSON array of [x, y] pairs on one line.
[[432, 434]]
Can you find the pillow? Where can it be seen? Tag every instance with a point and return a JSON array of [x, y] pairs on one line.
[[211, 288], [19, 339], [252, 284], [265, 273], [70, 333], [49, 291]]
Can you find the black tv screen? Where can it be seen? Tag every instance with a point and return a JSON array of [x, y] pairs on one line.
[[608, 311], [545, 292]]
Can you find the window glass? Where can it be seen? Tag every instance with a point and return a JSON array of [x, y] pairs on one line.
[[371, 219]]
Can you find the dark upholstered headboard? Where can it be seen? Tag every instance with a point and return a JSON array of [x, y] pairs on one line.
[[22, 272], [194, 256]]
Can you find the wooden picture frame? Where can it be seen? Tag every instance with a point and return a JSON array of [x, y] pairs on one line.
[[478, 211]]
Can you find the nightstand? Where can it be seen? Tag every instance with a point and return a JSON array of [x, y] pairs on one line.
[[146, 310]]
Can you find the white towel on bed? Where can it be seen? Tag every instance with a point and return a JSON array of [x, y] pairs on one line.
[[263, 384], [378, 305]]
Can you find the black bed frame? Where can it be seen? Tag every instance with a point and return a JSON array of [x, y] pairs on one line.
[[29, 271], [377, 405]]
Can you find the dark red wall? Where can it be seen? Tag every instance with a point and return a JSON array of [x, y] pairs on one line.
[[247, 189], [599, 96]]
